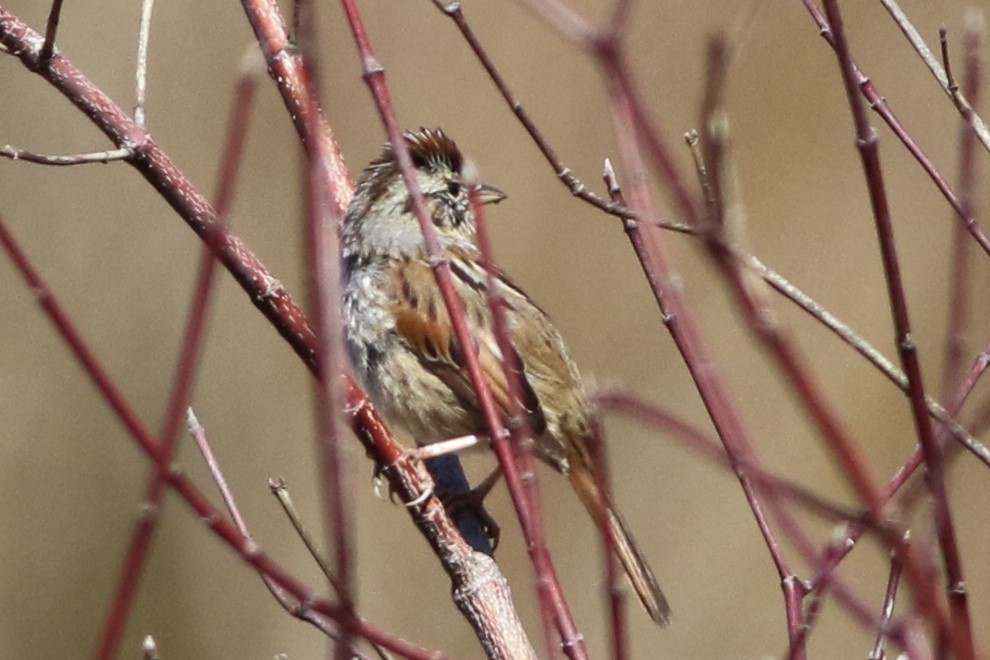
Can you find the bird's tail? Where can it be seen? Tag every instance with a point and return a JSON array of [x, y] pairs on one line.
[[628, 553]]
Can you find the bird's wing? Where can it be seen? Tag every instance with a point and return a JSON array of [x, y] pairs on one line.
[[423, 326]]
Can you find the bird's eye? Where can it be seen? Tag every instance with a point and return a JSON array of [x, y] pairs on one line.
[[454, 188]]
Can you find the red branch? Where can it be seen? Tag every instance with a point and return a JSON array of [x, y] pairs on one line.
[[137, 553], [878, 103], [960, 261], [548, 585], [323, 217], [866, 141], [408, 479], [246, 548]]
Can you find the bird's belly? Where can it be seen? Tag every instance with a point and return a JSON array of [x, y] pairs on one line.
[[421, 403]]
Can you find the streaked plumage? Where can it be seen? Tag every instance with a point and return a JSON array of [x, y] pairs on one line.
[[403, 346]]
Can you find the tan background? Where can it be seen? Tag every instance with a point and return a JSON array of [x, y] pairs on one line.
[[122, 263]]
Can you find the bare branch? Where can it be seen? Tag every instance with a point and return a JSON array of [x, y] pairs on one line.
[[141, 72], [111, 155], [51, 30], [941, 75], [890, 596], [149, 648], [298, 609], [961, 638]]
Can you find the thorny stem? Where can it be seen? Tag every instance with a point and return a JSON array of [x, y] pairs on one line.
[[961, 638]]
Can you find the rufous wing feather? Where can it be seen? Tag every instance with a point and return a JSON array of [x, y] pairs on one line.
[[423, 326]]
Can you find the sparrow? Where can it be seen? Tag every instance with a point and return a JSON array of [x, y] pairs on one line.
[[405, 352]]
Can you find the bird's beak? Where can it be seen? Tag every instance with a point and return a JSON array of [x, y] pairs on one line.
[[488, 194]]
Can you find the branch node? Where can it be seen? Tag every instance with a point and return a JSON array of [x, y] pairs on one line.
[[907, 343], [147, 512], [452, 8], [868, 140], [251, 549], [371, 67]]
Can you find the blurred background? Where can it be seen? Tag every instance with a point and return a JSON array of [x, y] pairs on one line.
[[123, 264]]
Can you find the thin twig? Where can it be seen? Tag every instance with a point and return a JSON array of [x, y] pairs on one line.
[[280, 490], [326, 300], [198, 434], [867, 350], [878, 103], [298, 609], [577, 188], [726, 229], [520, 430], [141, 73], [786, 288], [960, 262], [548, 586], [708, 448], [249, 551], [960, 638], [943, 42], [619, 17], [182, 383], [680, 324], [616, 75], [736, 444], [931, 61], [13, 153], [562, 19], [893, 580], [285, 66], [408, 479], [51, 30]]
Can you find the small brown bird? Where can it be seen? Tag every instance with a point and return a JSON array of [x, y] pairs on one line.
[[404, 349]]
